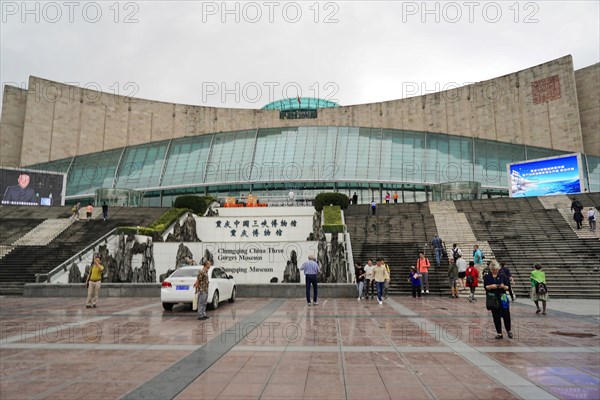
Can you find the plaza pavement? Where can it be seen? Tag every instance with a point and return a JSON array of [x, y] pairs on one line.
[[258, 348]]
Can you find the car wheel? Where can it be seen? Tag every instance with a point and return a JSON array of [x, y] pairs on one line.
[[233, 294], [168, 306], [215, 300]]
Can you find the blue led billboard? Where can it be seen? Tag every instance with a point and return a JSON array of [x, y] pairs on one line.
[[546, 176]]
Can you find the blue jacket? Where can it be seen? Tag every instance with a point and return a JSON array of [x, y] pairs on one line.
[[415, 282]]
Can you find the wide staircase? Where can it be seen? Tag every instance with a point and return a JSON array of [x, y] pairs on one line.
[[397, 233], [28, 258], [562, 203], [522, 232], [454, 228]]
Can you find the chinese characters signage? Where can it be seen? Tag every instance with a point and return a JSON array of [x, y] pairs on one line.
[[255, 228]]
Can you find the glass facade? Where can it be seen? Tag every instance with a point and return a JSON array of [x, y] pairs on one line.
[[313, 159], [305, 103]]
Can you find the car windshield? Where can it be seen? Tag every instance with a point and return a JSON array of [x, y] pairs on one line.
[[185, 273]]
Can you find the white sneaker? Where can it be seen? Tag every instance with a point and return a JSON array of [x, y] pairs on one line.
[[427, 291], [380, 302], [422, 291], [358, 299]]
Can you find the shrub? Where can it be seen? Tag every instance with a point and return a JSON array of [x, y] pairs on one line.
[[168, 218], [198, 204], [333, 228], [158, 226], [336, 199], [332, 216]]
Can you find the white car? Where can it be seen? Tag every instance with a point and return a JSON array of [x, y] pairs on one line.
[[179, 287]]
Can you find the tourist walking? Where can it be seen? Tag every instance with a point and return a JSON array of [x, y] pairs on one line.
[[387, 198], [478, 257], [576, 205], [395, 197], [386, 286], [380, 275], [75, 211], [373, 207], [578, 217], [93, 282], [456, 252], [415, 282], [452, 279], [201, 286], [472, 279], [438, 247], [592, 217], [539, 290], [423, 270], [104, 211], [369, 282], [89, 211], [311, 269], [355, 199], [496, 286], [359, 273], [506, 272], [461, 265]]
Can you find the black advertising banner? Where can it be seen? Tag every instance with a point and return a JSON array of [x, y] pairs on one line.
[[29, 187]]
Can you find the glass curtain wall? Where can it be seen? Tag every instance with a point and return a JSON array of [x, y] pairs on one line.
[[308, 160]]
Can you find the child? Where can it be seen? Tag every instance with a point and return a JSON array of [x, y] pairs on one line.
[[415, 279]]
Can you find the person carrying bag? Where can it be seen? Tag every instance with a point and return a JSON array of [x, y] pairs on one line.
[[496, 300]]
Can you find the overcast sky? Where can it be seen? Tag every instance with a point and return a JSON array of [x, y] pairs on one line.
[[245, 54]]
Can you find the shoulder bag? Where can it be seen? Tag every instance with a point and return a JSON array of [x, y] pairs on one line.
[[491, 301]]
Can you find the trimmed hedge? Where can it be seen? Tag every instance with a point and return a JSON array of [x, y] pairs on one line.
[[333, 228], [336, 199], [332, 216], [158, 226], [198, 204]]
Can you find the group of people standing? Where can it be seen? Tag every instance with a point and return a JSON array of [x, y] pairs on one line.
[[371, 276], [462, 275]]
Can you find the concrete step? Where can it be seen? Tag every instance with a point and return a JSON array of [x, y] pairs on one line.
[[4, 250], [44, 233], [11, 289]]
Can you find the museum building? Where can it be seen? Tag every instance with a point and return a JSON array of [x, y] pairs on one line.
[[148, 152]]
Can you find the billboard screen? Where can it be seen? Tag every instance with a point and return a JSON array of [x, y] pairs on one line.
[[29, 187], [546, 176]]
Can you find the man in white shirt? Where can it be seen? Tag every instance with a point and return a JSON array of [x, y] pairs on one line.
[[461, 264], [370, 282]]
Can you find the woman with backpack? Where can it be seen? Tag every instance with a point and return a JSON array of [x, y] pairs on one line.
[[472, 277], [539, 291]]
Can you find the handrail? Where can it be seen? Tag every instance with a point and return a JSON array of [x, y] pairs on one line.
[[65, 264]]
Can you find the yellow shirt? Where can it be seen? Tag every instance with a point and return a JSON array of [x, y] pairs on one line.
[[96, 274]]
